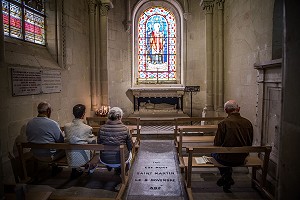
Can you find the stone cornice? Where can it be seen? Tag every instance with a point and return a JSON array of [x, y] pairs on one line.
[[207, 5]]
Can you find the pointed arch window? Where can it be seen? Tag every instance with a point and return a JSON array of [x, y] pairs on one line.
[[157, 46]]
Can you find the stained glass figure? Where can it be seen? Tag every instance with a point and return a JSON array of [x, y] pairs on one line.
[[29, 26], [157, 45]]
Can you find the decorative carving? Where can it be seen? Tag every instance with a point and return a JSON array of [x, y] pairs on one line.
[[63, 24], [106, 5], [187, 16], [92, 6], [158, 92], [220, 4], [207, 5]]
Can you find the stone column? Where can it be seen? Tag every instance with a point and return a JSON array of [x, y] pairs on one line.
[[92, 6], [60, 34], [220, 92], [208, 7], [106, 5], [1, 38], [127, 22], [98, 61]]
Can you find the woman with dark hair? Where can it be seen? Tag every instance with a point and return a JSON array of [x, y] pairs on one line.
[[114, 133]]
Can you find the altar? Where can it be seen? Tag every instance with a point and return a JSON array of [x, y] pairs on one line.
[[158, 100]]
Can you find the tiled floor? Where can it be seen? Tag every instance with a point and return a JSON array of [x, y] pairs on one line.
[[204, 187]]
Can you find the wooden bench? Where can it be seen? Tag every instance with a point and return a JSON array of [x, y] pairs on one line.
[[193, 121], [63, 161], [185, 139], [133, 124], [129, 121], [257, 162]]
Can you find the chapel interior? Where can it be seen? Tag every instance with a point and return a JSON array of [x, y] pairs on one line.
[[185, 60]]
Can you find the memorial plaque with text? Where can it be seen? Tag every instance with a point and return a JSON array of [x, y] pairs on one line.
[[26, 81], [51, 81], [155, 173]]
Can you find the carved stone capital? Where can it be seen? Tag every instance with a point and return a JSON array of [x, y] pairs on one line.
[[220, 4], [92, 6], [187, 16], [207, 5], [106, 5]]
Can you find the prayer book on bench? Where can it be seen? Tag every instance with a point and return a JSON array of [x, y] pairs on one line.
[[204, 160]]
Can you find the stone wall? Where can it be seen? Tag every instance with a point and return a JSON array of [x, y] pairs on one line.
[[194, 69], [247, 40], [16, 111], [119, 59]]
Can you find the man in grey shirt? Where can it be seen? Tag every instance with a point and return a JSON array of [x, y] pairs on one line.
[[41, 130]]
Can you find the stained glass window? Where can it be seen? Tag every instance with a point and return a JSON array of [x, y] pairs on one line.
[[157, 46], [24, 19]]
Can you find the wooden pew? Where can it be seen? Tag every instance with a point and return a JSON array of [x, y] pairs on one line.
[[67, 146], [193, 121], [133, 124], [184, 140], [257, 162]]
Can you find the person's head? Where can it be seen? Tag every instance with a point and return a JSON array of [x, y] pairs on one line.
[[44, 108], [79, 111], [156, 27], [231, 106], [115, 113]]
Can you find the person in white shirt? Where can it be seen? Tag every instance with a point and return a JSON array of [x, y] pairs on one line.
[[79, 133]]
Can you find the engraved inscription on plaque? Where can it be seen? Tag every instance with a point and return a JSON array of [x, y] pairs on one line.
[[156, 177], [26, 81], [35, 81], [155, 173], [51, 81]]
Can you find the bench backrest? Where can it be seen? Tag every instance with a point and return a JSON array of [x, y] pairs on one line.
[[202, 128], [193, 121], [244, 149], [67, 146], [96, 122]]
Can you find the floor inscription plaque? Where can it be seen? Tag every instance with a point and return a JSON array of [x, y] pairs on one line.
[[155, 173]]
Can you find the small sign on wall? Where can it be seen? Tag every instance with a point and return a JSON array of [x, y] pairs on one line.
[[34, 81]]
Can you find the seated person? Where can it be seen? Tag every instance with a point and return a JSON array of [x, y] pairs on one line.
[[41, 130], [79, 133], [115, 133], [233, 131]]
